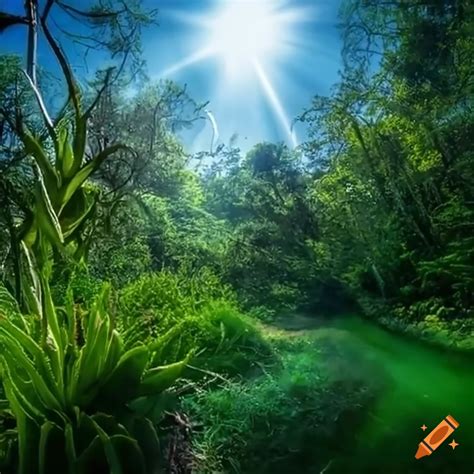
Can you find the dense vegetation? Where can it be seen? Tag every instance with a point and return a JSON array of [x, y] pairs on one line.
[[141, 287]]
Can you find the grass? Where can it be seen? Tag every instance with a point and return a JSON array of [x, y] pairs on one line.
[[291, 419]]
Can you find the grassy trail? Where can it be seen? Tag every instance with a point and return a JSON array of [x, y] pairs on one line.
[[419, 386]]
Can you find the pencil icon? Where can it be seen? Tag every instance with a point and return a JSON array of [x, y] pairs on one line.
[[436, 437]]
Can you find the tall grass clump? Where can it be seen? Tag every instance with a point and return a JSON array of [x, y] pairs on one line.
[[155, 302]]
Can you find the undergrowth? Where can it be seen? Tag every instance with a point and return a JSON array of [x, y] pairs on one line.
[[289, 420]]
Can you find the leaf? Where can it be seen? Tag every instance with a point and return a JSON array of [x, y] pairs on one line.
[[109, 449], [129, 454], [144, 432], [81, 175], [18, 398], [161, 378], [79, 143], [74, 223], [16, 336], [17, 360], [46, 429], [70, 449], [35, 149], [124, 382], [68, 161]]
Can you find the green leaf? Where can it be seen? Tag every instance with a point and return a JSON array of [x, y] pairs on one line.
[[17, 360], [35, 149], [67, 160], [129, 454], [20, 397], [161, 378], [46, 429], [111, 454], [79, 143], [124, 382], [144, 432], [70, 449], [78, 209], [81, 175]]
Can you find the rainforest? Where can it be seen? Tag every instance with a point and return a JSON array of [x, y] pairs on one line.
[[236, 236]]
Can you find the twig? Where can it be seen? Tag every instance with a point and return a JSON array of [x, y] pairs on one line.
[[328, 465]]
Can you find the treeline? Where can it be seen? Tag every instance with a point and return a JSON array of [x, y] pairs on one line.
[[374, 210]]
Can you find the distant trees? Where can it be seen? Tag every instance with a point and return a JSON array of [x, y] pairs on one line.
[[396, 200]]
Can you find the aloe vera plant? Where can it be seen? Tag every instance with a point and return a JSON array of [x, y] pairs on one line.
[[73, 399]]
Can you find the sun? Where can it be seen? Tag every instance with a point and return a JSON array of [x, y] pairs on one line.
[[243, 32]]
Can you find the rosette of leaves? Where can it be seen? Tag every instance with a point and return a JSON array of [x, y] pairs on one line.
[[74, 399]]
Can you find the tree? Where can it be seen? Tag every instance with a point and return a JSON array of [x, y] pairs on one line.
[[114, 26]]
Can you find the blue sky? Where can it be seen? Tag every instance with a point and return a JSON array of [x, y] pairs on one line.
[[298, 56]]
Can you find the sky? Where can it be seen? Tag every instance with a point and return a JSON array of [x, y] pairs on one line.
[[257, 62]]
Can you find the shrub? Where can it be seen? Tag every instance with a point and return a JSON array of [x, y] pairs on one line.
[[156, 302], [227, 341], [84, 286], [119, 259]]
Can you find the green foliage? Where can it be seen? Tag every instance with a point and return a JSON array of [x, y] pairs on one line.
[[120, 260], [280, 422], [269, 257], [79, 282], [393, 182], [158, 301], [180, 312], [228, 341], [71, 402]]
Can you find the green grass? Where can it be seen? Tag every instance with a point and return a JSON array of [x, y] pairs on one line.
[[289, 420]]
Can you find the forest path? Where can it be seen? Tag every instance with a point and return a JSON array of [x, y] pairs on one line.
[[421, 386]]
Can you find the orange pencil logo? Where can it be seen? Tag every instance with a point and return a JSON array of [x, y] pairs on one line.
[[436, 437]]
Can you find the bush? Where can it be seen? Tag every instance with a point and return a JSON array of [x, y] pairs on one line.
[[84, 286], [120, 260], [156, 302], [196, 313], [91, 417], [226, 340]]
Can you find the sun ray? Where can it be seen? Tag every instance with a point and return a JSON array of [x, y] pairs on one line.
[[275, 102], [199, 56]]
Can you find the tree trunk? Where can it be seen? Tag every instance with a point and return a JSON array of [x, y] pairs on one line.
[[31, 7]]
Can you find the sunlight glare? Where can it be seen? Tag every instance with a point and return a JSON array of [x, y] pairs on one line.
[[248, 39], [242, 32]]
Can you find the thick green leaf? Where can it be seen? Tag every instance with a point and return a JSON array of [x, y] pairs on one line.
[[129, 454], [111, 454], [79, 143], [16, 359], [46, 429], [70, 449], [124, 382], [67, 160], [144, 432], [28, 344], [161, 378], [34, 148], [46, 216], [19, 397], [80, 177]]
